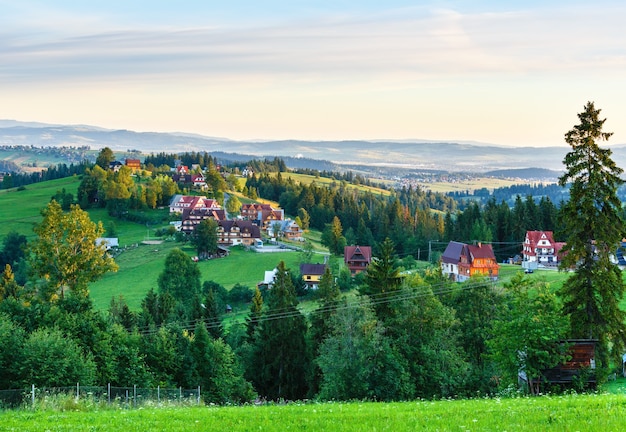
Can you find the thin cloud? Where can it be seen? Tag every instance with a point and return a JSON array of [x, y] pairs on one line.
[[441, 43]]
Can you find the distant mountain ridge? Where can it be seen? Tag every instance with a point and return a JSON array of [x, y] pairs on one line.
[[415, 154]]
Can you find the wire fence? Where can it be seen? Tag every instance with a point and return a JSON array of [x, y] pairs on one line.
[[128, 397]]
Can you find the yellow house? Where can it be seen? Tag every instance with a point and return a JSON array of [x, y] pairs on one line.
[[312, 273]]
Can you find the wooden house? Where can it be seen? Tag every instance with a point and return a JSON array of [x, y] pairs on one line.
[[357, 258], [477, 260]]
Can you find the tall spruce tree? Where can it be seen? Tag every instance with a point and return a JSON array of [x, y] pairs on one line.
[[382, 280], [594, 227], [281, 353]]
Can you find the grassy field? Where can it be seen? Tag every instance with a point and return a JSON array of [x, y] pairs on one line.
[[470, 184], [546, 413], [140, 267], [323, 181], [20, 209]]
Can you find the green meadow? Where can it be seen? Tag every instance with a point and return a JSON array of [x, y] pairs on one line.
[[596, 412], [140, 267], [20, 209]]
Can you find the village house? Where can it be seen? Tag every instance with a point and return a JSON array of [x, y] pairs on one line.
[[540, 249], [133, 164], [450, 260], [192, 217], [115, 166], [263, 215], [237, 232], [287, 229], [188, 202], [357, 258], [311, 274], [461, 261]]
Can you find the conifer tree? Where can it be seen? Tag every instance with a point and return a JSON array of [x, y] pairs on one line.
[[281, 353], [328, 294], [256, 309], [594, 227], [382, 279]]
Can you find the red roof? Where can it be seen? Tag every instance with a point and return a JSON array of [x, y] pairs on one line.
[[481, 251], [357, 253]]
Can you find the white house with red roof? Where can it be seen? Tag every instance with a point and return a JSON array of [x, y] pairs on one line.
[[180, 203], [540, 250]]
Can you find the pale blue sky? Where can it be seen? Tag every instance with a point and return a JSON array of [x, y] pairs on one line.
[[510, 73]]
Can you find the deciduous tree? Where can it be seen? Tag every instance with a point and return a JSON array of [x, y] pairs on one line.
[[66, 253]]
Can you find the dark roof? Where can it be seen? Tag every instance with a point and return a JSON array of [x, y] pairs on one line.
[[312, 269], [243, 225], [452, 254]]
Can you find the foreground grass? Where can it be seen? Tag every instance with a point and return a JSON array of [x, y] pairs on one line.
[[556, 413]]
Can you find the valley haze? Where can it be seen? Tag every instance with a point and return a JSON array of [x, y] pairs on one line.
[[415, 154]]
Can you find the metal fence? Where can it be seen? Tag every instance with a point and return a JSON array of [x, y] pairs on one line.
[[124, 396]]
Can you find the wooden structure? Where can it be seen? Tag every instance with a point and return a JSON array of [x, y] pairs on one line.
[[357, 258], [580, 366], [582, 354]]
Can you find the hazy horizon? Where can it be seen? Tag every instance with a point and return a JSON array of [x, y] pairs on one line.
[[500, 73]]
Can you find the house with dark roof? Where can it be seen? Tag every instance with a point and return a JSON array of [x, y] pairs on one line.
[[357, 258], [236, 232], [311, 274], [450, 259], [461, 261], [192, 217]]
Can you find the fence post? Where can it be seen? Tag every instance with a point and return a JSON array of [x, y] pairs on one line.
[[135, 395], [159, 394], [180, 395], [32, 391], [77, 391], [198, 395], [109, 393]]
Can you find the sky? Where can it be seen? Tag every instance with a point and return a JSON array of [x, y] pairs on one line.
[[509, 73]]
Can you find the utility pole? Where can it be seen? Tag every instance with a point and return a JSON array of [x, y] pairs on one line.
[[430, 249]]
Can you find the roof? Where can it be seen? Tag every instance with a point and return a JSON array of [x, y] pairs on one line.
[[481, 251], [243, 225], [312, 269], [452, 254], [358, 253], [535, 236]]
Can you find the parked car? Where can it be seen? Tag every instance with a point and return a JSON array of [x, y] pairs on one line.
[[528, 270]]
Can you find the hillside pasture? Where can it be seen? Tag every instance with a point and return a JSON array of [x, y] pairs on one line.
[[20, 210], [141, 265], [306, 179], [471, 184]]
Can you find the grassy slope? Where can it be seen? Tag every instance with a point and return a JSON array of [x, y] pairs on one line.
[[562, 413], [140, 268], [20, 210]]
